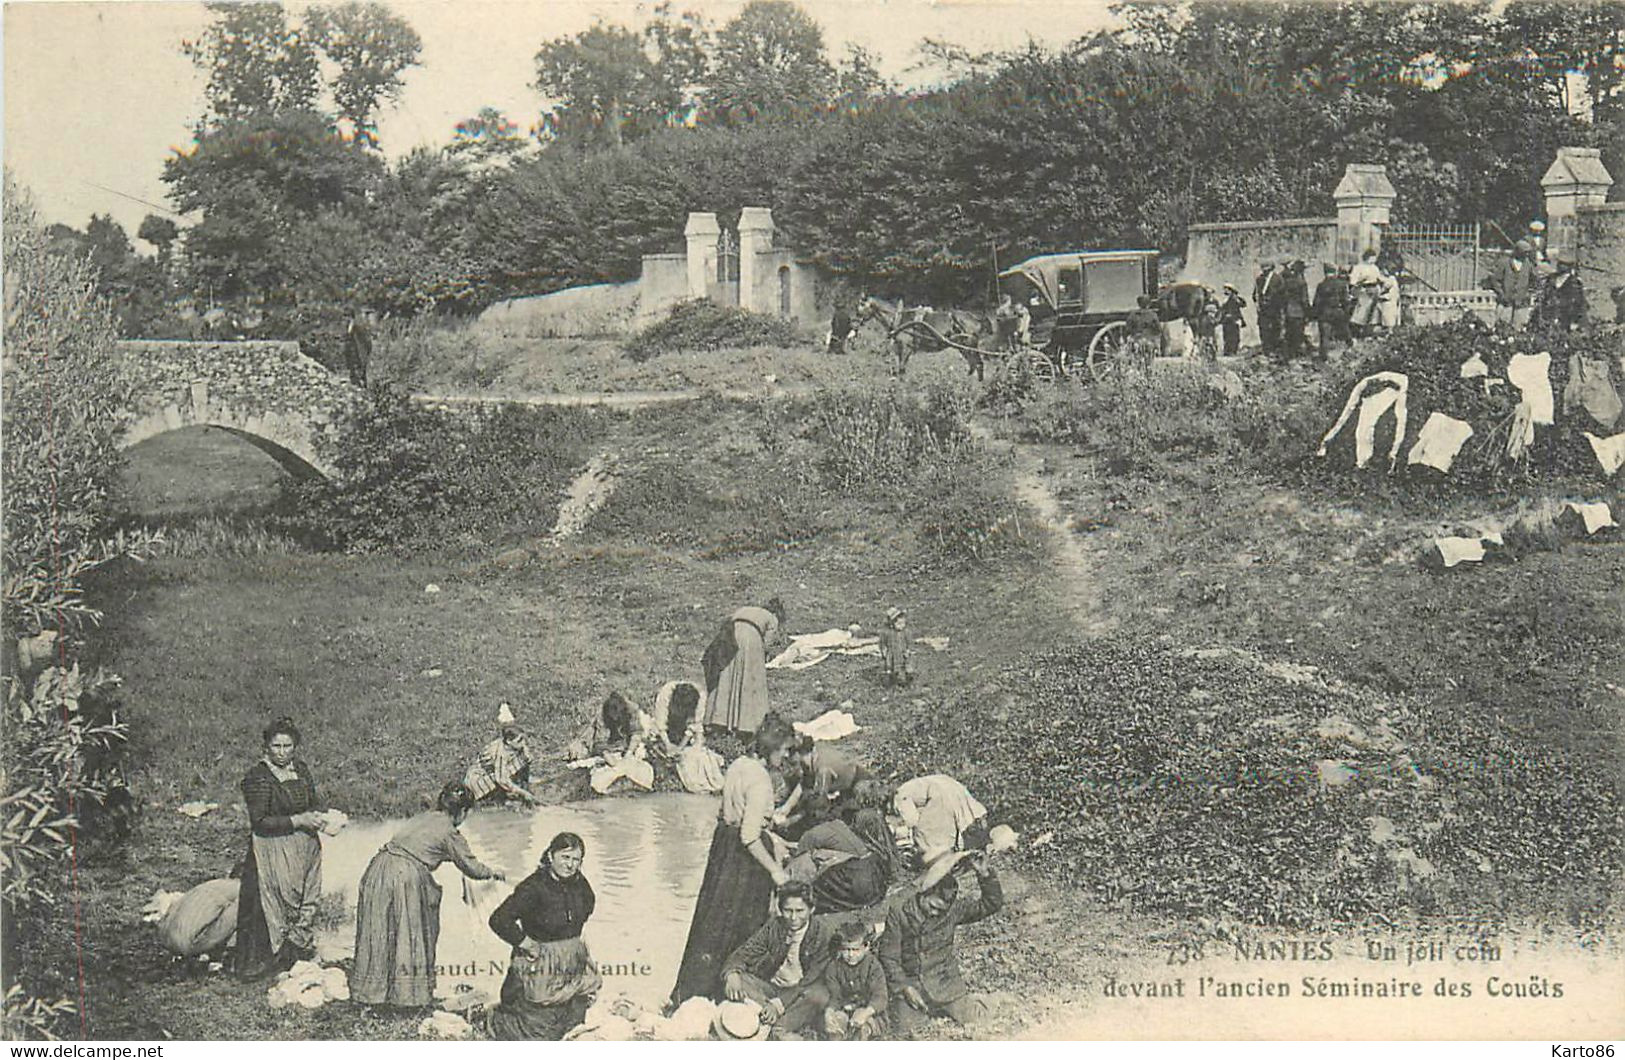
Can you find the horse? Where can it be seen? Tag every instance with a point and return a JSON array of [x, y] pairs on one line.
[[913, 328], [1187, 300]]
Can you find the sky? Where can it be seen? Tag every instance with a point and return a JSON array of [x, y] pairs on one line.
[[97, 95]]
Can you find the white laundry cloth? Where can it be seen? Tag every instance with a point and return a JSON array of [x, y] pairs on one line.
[[1440, 439], [1372, 409], [1610, 451], [830, 725], [1454, 550], [1531, 373], [1593, 517], [810, 649], [1474, 368]]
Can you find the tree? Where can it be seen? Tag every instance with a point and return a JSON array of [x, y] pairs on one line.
[[372, 48], [612, 84], [770, 62], [257, 62], [161, 232]]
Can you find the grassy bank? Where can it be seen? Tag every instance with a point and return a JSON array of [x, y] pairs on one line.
[[1494, 683]]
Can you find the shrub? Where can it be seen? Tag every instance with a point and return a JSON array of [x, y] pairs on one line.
[[868, 438], [411, 475], [966, 513], [700, 324], [62, 390]]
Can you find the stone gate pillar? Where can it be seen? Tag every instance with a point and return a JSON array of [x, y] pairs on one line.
[[755, 237], [1363, 199], [701, 232], [1576, 178]]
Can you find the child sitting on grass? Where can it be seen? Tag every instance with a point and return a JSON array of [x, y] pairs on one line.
[[848, 999]]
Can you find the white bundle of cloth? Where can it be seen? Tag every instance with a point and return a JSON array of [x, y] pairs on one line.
[[308, 985], [809, 649], [447, 1026], [830, 725]]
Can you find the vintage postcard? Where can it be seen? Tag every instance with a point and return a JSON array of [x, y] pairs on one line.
[[793, 520]]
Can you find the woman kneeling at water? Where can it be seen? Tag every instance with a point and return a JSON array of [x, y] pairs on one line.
[[551, 978], [397, 912]]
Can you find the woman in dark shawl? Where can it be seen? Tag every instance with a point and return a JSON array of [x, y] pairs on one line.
[[551, 978], [282, 873]]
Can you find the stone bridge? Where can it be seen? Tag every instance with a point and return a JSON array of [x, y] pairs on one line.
[[267, 393]]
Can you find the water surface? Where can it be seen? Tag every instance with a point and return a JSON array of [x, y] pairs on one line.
[[645, 858]]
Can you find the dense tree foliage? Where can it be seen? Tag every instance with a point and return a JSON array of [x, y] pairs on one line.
[[1183, 112]]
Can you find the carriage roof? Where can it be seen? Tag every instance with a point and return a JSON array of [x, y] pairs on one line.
[[1043, 270]]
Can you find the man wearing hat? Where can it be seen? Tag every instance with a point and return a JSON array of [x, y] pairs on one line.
[[1563, 302], [1294, 311], [1267, 297], [1513, 284], [1332, 308], [1230, 319], [917, 946]]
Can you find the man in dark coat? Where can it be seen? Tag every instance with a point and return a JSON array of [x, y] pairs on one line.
[[1563, 306], [917, 950], [1266, 297], [789, 950], [1230, 319], [1294, 311], [1332, 307]]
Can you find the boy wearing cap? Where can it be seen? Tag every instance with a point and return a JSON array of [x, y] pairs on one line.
[[917, 946], [899, 669]]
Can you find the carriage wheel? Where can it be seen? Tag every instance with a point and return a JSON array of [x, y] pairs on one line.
[[1039, 365], [1106, 348]]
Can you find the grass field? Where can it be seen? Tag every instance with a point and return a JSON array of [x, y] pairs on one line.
[[721, 504]]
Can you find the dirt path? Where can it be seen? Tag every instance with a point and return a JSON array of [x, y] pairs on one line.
[[1072, 561], [605, 399]]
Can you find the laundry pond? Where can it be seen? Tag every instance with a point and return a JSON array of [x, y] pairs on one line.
[[645, 858]]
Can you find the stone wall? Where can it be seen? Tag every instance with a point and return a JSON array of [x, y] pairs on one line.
[[1217, 254], [576, 312], [1602, 249], [267, 392]]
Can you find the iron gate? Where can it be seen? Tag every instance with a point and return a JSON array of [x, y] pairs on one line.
[[1442, 257]]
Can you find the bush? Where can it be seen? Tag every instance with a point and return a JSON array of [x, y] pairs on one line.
[[410, 475], [699, 324], [59, 762], [1152, 418], [866, 438], [1215, 784]]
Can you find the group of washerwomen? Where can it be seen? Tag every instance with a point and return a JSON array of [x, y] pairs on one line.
[[803, 868]]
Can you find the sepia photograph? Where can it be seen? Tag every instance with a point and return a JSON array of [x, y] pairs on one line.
[[813, 520]]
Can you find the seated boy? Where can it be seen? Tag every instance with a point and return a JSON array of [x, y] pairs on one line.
[[848, 999]]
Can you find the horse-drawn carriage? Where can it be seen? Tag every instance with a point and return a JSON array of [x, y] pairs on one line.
[[1062, 312]]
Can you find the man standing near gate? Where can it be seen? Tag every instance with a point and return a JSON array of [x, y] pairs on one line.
[[1266, 296], [1332, 308]]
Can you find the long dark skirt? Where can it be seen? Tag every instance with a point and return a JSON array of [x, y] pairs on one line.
[[733, 903], [856, 884], [253, 957]]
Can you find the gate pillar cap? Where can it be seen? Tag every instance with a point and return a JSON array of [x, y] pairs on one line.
[[701, 224], [1364, 182], [1577, 166]]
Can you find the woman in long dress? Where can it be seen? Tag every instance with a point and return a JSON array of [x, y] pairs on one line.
[[735, 666], [551, 978], [397, 912], [282, 873], [742, 868]]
